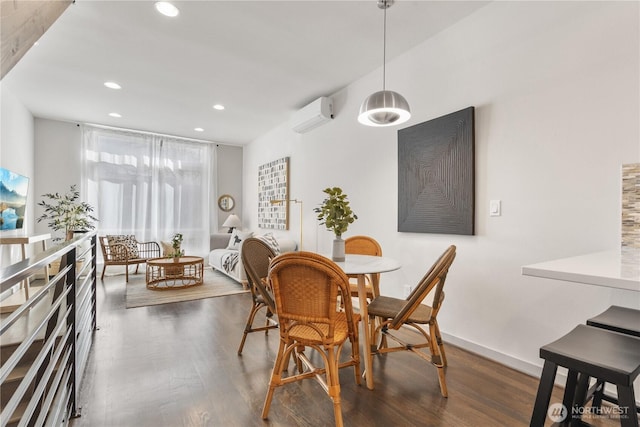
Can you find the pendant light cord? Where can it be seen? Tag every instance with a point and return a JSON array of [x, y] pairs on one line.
[[384, 46]]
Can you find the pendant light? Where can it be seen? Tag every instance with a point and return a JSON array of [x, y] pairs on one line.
[[386, 107]]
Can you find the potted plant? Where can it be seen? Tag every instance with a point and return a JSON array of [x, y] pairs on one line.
[[336, 215], [176, 242], [64, 212]]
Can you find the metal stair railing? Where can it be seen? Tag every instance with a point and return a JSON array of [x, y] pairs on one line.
[[47, 339]]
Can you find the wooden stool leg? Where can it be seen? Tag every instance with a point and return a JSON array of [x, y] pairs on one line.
[[579, 400], [627, 403], [544, 394], [570, 389]]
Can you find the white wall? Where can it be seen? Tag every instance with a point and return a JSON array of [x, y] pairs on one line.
[[16, 154], [556, 91], [57, 158], [229, 172]]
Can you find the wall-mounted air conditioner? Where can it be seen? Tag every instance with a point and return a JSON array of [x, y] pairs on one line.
[[313, 115]]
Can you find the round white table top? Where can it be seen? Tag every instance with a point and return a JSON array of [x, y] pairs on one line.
[[367, 264]]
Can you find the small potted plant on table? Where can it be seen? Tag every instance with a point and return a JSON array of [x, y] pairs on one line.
[[176, 242], [336, 214]]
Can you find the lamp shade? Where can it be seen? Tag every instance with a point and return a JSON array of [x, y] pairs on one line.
[[384, 108], [232, 221]]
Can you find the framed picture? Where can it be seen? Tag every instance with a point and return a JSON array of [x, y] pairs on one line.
[[13, 199], [436, 168], [273, 192]]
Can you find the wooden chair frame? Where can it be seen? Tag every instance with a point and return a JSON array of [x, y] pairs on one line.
[[395, 313], [256, 255], [306, 287], [117, 254]]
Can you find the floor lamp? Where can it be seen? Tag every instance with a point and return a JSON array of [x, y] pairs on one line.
[[279, 201]]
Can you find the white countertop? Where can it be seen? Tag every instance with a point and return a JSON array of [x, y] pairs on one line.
[[615, 269]]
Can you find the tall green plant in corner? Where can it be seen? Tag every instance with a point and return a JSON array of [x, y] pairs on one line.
[[336, 215], [65, 212]]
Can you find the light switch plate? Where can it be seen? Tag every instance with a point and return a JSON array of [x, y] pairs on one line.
[[495, 208]]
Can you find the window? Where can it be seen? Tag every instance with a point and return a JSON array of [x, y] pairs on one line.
[[149, 185]]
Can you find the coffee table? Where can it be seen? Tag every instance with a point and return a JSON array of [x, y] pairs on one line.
[[174, 273]]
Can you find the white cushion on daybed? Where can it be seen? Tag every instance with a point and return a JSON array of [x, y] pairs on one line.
[[229, 261]]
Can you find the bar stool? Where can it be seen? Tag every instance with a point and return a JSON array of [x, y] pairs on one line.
[[587, 350], [619, 319]]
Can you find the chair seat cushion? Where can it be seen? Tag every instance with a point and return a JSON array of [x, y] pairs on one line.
[[389, 307]]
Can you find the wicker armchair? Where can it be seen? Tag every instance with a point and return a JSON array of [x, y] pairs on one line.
[[126, 250], [306, 287], [396, 313], [256, 256]]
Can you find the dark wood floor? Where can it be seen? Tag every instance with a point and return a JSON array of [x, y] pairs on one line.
[[176, 365]]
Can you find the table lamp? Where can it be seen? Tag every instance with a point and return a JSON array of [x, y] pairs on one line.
[[232, 222]]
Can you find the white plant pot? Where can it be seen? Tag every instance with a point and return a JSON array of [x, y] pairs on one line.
[[337, 254]]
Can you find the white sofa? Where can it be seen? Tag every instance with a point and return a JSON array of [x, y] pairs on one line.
[[226, 249]]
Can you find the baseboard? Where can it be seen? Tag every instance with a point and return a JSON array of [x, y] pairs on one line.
[[515, 363], [510, 361]]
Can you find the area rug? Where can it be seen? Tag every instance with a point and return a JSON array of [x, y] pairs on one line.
[[215, 284]]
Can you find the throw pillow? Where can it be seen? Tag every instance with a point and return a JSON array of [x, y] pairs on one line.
[[167, 249], [270, 240], [237, 237], [130, 244]]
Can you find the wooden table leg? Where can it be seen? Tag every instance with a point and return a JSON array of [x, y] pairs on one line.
[[364, 313], [46, 266], [25, 282]]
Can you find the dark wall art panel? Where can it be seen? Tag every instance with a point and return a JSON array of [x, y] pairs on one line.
[[436, 168]]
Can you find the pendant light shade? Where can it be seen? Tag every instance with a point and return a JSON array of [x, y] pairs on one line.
[[386, 107]]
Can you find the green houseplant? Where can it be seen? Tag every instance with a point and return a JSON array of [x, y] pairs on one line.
[[176, 242], [336, 215], [64, 212]]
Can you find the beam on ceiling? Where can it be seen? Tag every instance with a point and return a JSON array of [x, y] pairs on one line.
[[22, 22]]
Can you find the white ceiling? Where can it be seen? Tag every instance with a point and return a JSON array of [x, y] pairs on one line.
[[263, 60]]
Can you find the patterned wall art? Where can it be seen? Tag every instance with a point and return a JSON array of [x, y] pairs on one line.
[[273, 184], [631, 205], [436, 168]]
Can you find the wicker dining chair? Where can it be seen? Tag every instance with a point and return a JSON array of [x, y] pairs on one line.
[[395, 313], [306, 287], [364, 245], [256, 255]]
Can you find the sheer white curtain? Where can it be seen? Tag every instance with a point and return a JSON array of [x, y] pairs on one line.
[[150, 185]]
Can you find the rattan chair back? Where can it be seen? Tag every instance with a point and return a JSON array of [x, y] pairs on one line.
[[433, 279], [256, 255], [306, 287], [363, 245]]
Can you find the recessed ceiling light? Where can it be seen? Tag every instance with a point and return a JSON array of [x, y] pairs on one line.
[[112, 85], [115, 115], [218, 107], [167, 9], [198, 129]]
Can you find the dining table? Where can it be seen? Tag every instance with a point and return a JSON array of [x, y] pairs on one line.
[[360, 266]]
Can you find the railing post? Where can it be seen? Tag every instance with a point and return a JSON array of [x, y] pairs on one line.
[[72, 306], [94, 280]]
